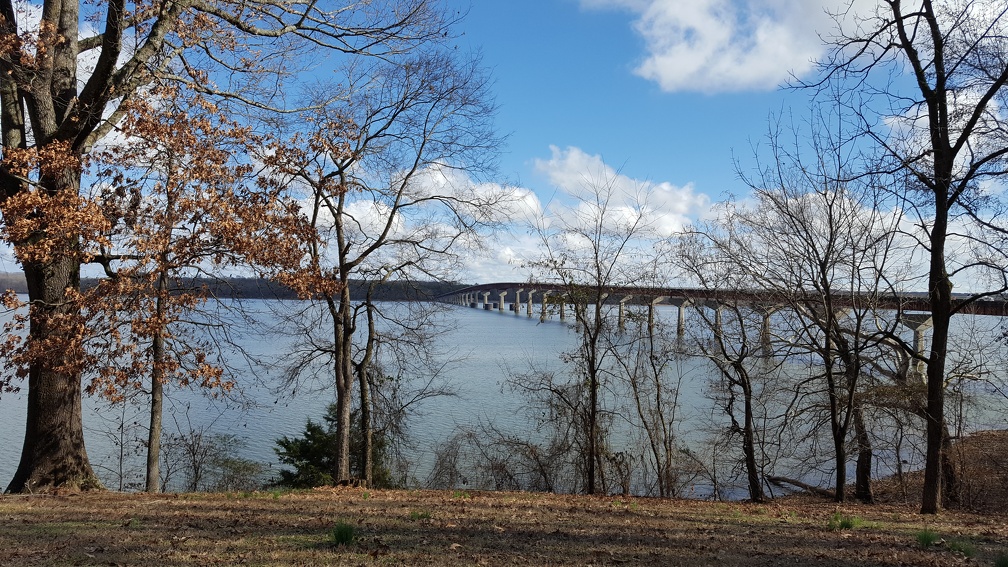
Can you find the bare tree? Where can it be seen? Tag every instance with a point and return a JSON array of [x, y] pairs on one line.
[[589, 248], [818, 247], [944, 131], [729, 336], [649, 359], [386, 174]]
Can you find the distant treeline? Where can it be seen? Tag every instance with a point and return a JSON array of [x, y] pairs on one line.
[[257, 288]]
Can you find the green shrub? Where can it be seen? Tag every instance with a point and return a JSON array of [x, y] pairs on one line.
[[927, 538], [312, 457], [840, 521], [341, 534], [416, 515], [962, 546]]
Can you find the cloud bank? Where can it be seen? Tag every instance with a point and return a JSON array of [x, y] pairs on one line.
[[715, 46], [575, 174]]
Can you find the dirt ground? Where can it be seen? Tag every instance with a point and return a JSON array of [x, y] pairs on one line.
[[471, 528]]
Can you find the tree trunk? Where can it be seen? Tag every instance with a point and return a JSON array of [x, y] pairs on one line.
[[157, 397], [950, 474], [590, 344], [592, 433], [343, 369], [367, 430], [53, 454], [749, 447], [941, 310], [154, 436], [364, 372], [862, 482]]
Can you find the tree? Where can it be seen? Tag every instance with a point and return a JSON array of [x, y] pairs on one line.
[[649, 358], [932, 83], [822, 254], [181, 200], [53, 113], [385, 171], [729, 337], [587, 250], [312, 455]]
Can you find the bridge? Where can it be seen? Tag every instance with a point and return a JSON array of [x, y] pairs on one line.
[[913, 308], [511, 293]]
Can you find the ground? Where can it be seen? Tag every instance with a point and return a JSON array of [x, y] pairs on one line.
[[482, 528]]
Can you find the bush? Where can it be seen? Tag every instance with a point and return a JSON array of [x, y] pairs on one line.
[[840, 521], [962, 546], [927, 538], [200, 460], [313, 455], [341, 534]]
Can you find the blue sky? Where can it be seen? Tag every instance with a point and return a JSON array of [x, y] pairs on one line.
[[664, 92], [565, 76]]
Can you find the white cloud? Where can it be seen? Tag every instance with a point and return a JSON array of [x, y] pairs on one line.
[[728, 45], [668, 207], [501, 255]]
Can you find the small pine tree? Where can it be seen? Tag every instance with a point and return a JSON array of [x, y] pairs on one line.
[[313, 455]]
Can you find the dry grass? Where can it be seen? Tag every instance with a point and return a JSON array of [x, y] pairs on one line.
[[462, 528]]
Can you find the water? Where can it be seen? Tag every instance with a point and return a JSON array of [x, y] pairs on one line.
[[482, 344], [485, 345]]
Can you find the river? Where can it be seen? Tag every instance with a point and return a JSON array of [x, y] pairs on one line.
[[485, 345]]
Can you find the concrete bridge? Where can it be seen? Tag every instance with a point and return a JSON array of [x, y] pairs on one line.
[[913, 307]]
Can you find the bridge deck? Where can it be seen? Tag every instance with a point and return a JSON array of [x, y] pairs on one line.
[[994, 305]]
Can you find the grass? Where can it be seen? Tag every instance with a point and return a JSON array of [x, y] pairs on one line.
[[963, 546], [495, 529], [341, 534], [927, 538], [417, 515], [840, 521]]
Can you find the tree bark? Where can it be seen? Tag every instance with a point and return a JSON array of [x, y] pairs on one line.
[[749, 446], [53, 454], [157, 396], [343, 362], [941, 312], [364, 383], [862, 474]]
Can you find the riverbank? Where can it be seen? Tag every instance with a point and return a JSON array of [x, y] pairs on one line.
[[411, 527]]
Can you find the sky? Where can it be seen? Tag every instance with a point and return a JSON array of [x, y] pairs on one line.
[[668, 93]]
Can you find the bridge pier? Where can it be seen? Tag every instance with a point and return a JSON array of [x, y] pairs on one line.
[[516, 306], [500, 305], [766, 311], [531, 291], [718, 326], [681, 304], [919, 323], [650, 311], [545, 300], [622, 311], [486, 300]]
